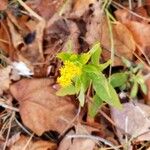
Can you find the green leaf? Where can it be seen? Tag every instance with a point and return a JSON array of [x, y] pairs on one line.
[[81, 96], [134, 90], [118, 79], [104, 90], [73, 57], [77, 84], [69, 46], [126, 62], [84, 58], [140, 79], [90, 69], [94, 54], [95, 57], [69, 90], [85, 81], [105, 65], [64, 56], [94, 48], [143, 88], [94, 106]]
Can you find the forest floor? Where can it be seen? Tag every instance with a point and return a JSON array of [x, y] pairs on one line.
[[74, 75]]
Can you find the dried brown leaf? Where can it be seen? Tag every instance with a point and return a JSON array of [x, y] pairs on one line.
[[124, 43], [94, 22], [81, 6], [139, 30], [134, 120], [16, 37], [34, 50], [3, 4], [40, 109], [45, 8], [5, 38], [5, 78], [56, 34]]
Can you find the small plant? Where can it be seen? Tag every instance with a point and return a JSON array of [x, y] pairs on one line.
[[81, 71], [130, 79]]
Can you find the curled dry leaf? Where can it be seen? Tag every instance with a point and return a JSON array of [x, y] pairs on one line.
[[81, 6], [134, 120], [73, 37], [56, 34], [4, 43], [5, 79], [94, 22], [139, 30], [45, 8], [16, 37], [32, 145], [3, 4], [124, 43], [40, 109], [34, 51]]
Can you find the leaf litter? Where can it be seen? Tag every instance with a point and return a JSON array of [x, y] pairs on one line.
[[32, 33]]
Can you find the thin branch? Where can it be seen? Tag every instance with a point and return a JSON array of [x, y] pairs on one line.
[[9, 107], [133, 13], [9, 129], [22, 127], [31, 12], [95, 138], [72, 121], [28, 142]]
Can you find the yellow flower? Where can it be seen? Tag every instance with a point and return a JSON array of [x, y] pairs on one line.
[[68, 72]]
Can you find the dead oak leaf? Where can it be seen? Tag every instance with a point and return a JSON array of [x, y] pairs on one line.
[[40, 109]]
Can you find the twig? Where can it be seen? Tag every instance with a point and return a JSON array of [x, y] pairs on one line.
[[9, 129], [4, 41], [140, 3], [130, 4], [126, 130], [145, 64], [111, 39], [21, 126], [112, 122], [24, 148], [9, 107], [133, 13], [72, 121], [31, 12], [95, 138], [147, 59]]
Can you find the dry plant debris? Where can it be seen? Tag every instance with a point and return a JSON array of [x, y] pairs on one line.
[[33, 33]]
